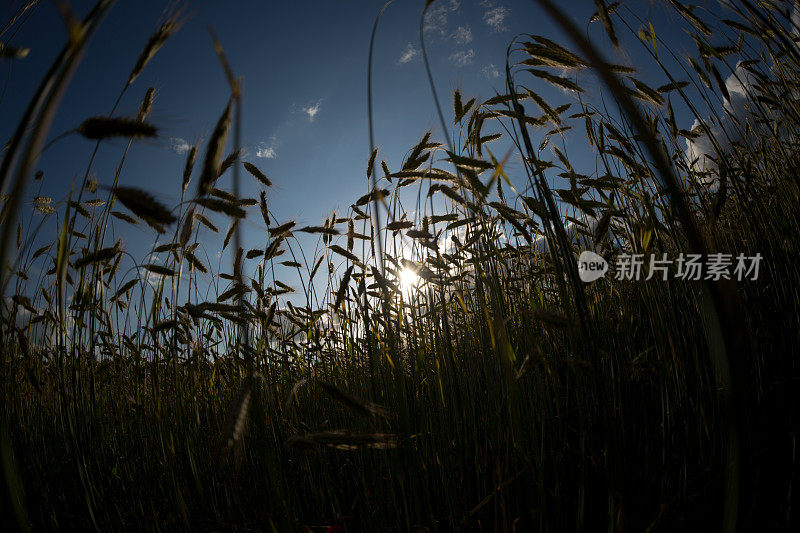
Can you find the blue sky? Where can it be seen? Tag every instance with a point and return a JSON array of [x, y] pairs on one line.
[[304, 67]]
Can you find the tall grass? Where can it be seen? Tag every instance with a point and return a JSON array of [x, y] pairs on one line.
[[495, 391]]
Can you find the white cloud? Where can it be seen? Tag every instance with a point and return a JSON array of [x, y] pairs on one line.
[[462, 35], [436, 16], [312, 111], [178, 145], [266, 150], [490, 71], [727, 128], [737, 122], [408, 54], [151, 278], [463, 58], [495, 18]]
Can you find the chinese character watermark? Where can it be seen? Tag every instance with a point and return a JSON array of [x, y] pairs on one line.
[[688, 267]]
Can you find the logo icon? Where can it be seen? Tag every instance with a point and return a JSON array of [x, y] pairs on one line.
[[591, 266]]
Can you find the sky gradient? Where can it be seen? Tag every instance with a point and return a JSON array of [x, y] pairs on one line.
[[304, 70], [304, 67]]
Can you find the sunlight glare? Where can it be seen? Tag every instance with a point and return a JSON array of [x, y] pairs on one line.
[[408, 280]]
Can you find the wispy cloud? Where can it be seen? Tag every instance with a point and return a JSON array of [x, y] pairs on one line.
[[490, 71], [463, 57], [408, 54], [153, 279], [495, 18], [312, 111], [436, 16], [266, 150], [178, 145], [462, 35]]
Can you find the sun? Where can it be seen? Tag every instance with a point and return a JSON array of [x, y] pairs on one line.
[[408, 280]]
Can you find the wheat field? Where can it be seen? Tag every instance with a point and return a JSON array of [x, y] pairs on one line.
[[436, 361]]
